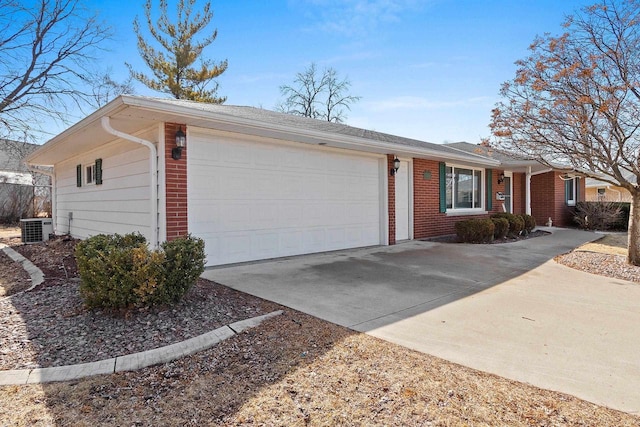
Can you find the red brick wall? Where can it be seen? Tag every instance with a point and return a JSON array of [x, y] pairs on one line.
[[176, 184], [519, 193], [548, 199], [391, 191], [427, 219]]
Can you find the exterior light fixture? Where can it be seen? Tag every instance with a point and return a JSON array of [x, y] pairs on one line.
[[396, 166], [501, 178], [181, 142]]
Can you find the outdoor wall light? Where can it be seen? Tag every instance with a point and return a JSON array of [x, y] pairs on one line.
[[396, 166], [501, 178], [181, 142]]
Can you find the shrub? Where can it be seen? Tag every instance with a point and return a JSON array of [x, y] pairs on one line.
[[529, 223], [475, 230], [597, 215], [120, 271], [516, 223], [501, 227]]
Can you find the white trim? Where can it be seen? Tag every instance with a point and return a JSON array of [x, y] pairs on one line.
[[85, 170], [509, 174], [162, 184], [468, 211]]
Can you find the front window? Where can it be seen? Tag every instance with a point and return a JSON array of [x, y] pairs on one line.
[[570, 191], [464, 188], [90, 174]]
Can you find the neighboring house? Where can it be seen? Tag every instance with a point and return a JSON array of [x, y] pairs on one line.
[[600, 191], [256, 184], [22, 193]]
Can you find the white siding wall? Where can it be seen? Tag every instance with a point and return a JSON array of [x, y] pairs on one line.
[[120, 205]]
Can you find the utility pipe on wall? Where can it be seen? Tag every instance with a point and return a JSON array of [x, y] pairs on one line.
[[153, 170]]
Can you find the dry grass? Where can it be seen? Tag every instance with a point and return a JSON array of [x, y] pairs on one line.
[[297, 370], [614, 244]]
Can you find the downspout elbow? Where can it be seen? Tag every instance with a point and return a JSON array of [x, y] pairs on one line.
[[153, 170]]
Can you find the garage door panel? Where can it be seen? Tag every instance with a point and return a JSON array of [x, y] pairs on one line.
[[255, 200]]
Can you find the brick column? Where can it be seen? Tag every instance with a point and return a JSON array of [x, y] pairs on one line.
[[176, 184], [391, 191]]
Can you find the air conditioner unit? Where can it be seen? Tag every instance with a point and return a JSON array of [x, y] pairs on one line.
[[36, 230]]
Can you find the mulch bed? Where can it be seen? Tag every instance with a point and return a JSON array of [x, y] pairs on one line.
[[50, 326], [601, 264], [13, 278]]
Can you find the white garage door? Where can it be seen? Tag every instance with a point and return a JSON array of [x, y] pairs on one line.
[[253, 200]]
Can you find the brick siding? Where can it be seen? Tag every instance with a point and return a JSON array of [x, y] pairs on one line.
[[548, 199], [176, 184], [391, 191], [428, 221]]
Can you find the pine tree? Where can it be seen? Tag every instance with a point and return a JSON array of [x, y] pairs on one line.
[[172, 66]]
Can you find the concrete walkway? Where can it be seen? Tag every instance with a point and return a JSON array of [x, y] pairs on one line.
[[506, 309]]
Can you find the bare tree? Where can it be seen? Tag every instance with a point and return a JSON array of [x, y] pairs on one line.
[[323, 97], [576, 100], [104, 89], [45, 52]]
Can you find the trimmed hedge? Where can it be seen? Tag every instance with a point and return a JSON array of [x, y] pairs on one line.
[[516, 223], [529, 223], [501, 227], [476, 230], [121, 272]]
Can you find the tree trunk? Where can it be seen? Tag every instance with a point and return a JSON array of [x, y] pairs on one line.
[[634, 230]]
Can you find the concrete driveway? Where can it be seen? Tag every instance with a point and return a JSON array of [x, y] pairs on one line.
[[507, 309]]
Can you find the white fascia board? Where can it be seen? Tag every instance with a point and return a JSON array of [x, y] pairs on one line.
[[109, 109], [343, 141]]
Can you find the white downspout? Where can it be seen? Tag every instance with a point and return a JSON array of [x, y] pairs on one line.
[[527, 192], [153, 170], [51, 175]]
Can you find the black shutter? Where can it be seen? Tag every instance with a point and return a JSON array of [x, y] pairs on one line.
[[98, 172], [443, 186], [79, 176]]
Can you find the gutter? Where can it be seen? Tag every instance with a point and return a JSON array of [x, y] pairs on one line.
[[354, 141], [153, 171]]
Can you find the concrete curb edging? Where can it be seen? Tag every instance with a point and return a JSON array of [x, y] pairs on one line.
[[131, 362], [36, 275]]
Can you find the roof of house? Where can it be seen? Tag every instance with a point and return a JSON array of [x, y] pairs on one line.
[[132, 114], [594, 183], [508, 161]]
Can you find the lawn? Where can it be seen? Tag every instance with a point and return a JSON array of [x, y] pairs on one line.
[[615, 244]]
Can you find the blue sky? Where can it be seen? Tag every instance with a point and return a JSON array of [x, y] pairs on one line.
[[425, 69]]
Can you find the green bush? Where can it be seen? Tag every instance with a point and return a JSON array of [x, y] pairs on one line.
[[475, 230], [516, 223], [120, 271], [529, 223], [501, 227]]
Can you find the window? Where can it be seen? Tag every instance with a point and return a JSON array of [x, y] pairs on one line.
[[90, 174], [571, 191], [602, 193], [463, 188]]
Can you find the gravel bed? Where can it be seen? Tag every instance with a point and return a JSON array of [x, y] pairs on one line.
[[602, 264], [50, 326]]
